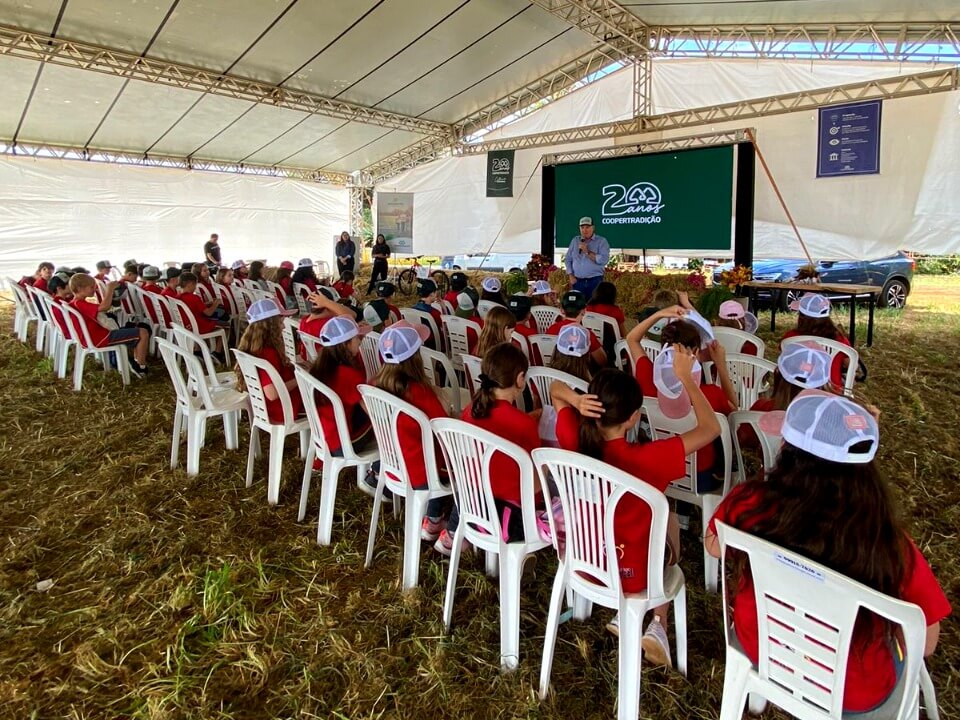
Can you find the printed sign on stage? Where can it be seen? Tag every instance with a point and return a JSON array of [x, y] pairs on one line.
[[849, 139], [500, 173], [395, 220]]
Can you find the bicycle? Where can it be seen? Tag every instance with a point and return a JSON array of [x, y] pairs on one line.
[[406, 279]]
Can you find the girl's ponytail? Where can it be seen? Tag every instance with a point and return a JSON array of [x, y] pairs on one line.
[[591, 438], [621, 397], [498, 371]]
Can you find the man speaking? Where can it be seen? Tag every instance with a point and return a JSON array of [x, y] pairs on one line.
[[587, 258]]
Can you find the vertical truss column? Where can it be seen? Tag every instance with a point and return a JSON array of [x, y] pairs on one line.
[[356, 193], [642, 86]]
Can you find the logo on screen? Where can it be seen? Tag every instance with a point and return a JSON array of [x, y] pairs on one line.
[[638, 205], [500, 165]]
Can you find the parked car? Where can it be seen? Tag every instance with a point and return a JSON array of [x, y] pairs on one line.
[[893, 273], [495, 262]]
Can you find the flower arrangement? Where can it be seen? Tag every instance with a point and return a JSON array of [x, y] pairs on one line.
[[540, 267], [736, 277], [808, 274]]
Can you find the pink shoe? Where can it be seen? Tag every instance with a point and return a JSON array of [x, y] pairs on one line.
[[431, 529], [444, 544]]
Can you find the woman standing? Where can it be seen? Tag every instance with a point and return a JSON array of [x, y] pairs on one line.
[[381, 254], [346, 252]]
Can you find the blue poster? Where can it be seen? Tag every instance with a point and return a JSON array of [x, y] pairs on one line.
[[849, 139]]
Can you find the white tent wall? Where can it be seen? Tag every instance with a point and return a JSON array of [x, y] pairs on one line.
[[907, 206], [75, 213]]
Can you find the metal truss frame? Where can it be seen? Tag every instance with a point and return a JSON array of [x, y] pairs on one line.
[[63, 152], [642, 86], [20, 43], [605, 20], [356, 193], [727, 137], [888, 88]]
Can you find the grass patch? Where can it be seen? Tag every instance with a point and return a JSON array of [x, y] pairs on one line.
[[189, 597]]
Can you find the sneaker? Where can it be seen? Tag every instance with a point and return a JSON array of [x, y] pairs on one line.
[[368, 484], [444, 544], [656, 647], [431, 528], [613, 627], [137, 369]]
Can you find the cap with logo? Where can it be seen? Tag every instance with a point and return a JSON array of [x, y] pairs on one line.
[[386, 289], [465, 301], [704, 328], [340, 329], [731, 310], [63, 269], [305, 262], [541, 287], [151, 272], [831, 427], [671, 396], [573, 340], [812, 305], [574, 300], [491, 284], [287, 265], [376, 311], [104, 265], [401, 341], [458, 281], [586, 220], [57, 282], [519, 304], [426, 287], [265, 309], [172, 272], [804, 366]]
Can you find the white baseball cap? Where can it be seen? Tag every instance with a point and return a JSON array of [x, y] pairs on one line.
[[750, 323], [671, 396], [265, 309], [339, 329], [401, 341], [464, 301], [573, 340], [541, 287], [804, 366], [238, 264], [812, 305], [703, 327], [305, 262], [491, 284], [829, 426], [586, 220]]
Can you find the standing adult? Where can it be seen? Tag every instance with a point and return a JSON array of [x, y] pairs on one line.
[[587, 258], [381, 254], [346, 252], [211, 251]]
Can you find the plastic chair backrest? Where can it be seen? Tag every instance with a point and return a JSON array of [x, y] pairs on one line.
[[158, 310], [78, 323], [385, 410], [290, 332], [433, 358], [183, 315], [600, 325], [806, 615], [446, 307], [471, 368], [311, 345], [185, 385], [370, 353], [419, 317], [204, 292], [22, 299], [227, 299], [467, 451], [623, 359], [733, 340], [545, 316], [748, 375], [243, 298], [60, 321], [277, 291], [310, 387], [663, 428], [192, 343], [249, 367], [521, 342], [769, 444], [542, 347], [457, 335], [300, 292], [651, 348], [37, 298], [539, 380], [485, 306], [833, 348], [589, 491]]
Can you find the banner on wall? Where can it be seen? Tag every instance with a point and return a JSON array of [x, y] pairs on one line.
[[500, 173], [848, 141], [663, 201], [395, 220]]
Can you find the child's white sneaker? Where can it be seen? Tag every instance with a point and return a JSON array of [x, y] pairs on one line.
[[655, 645]]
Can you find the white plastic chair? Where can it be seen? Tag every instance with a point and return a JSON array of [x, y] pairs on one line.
[[542, 347], [182, 315], [194, 344], [446, 307], [433, 362], [300, 292], [806, 614], [204, 292], [545, 316], [279, 295], [468, 451], [471, 366], [160, 314], [733, 341], [309, 388], [196, 402], [521, 342], [419, 317], [598, 324], [290, 331], [458, 343], [833, 348], [25, 312], [311, 346], [623, 359], [589, 492], [749, 376], [43, 318], [485, 306], [685, 488], [64, 339], [249, 366], [385, 411], [769, 444], [651, 348], [370, 354], [85, 348], [539, 380]]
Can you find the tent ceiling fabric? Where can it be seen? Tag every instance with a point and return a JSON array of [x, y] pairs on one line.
[[436, 60]]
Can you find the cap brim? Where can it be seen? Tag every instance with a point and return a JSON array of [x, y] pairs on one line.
[[287, 313], [771, 422], [674, 408]]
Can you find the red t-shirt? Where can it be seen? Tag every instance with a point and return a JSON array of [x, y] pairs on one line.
[[395, 312], [451, 297], [408, 432], [870, 671], [152, 287], [837, 373], [89, 311], [516, 426], [344, 289], [197, 308], [170, 292], [287, 285], [611, 311], [525, 330], [644, 374], [59, 316], [555, 330], [656, 463], [275, 407], [41, 284], [344, 383], [311, 325]]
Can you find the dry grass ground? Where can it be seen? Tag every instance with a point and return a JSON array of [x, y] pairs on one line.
[[180, 597]]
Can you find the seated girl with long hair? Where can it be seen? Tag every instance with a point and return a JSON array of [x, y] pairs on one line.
[[604, 302], [827, 500], [498, 328], [263, 338], [814, 319], [657, 463]]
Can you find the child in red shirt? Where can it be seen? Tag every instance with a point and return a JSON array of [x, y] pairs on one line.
[[322, 308], [574, 304], [344, 286], [263, 338], [520, 306], [151, 274], [814, 319], [427, 290], [826, 499], [458, 283], [171, 282], [103, 270], [202, 312], [604, 301], [386, 291], [498, 328], [42, 276]]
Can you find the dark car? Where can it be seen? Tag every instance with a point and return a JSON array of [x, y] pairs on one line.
[[894, 274]]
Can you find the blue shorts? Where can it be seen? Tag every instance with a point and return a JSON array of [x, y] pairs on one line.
[[123, 336]]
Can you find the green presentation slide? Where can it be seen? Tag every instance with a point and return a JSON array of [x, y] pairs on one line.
[[679, 200]]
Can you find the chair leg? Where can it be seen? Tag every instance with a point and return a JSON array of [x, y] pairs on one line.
[[305, 483], [511, 567], [328, 496], [550, 634], [680, 629], [734, 686], [123, 365], [195, 434], [374, 521], [177, 432], [412, 519], [276, 466], [231, 421], [628, 661], [78, 369], [711, 565], [452, 576], [582, 608], [492, 564], [929, 693], [304, 442], [252, 452]]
